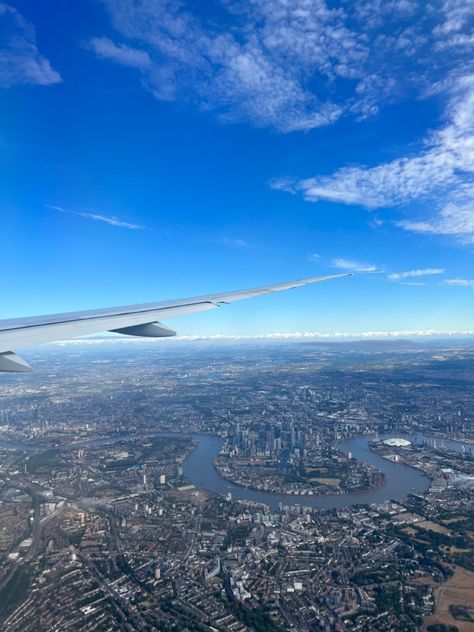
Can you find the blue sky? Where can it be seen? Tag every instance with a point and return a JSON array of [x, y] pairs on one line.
[[153, 149]]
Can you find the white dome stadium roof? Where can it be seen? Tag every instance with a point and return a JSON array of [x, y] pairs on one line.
[[397, 443]]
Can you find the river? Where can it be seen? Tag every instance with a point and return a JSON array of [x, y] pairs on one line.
[[199, 469], [400, 479]]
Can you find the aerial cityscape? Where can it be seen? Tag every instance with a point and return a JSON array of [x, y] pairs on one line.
[[214, 486]]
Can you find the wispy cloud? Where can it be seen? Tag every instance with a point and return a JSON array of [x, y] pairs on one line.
[[105, 48], [106, 219], [413, 283], [290, 65], [260, 68], [20, 60], [408, 274], [355, 266], [313, 256], [454, 219], [445, 166], [287, 64], [233, 242], [460, 282]]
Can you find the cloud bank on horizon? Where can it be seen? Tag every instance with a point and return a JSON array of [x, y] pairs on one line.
[[288, 336]]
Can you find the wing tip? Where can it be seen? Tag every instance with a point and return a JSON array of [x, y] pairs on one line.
[[327, 277]]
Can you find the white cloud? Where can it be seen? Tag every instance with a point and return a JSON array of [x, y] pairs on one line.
[[105, 48], [355, 266], [387, 184], [264, 67], [458, 14], [430, 56], [455, 219], [395, 276], [20, 60], [287, 64], [460, 282], [444, 166], [442, 172], [376, 222], [234, 242], [313, 256], [106, 219], [290, 64]]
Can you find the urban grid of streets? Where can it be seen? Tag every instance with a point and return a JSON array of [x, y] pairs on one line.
[[102, 528]]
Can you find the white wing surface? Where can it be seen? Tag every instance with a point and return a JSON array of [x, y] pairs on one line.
[[134, 320]]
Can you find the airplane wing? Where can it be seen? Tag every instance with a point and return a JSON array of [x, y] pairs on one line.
[[133, 320]]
